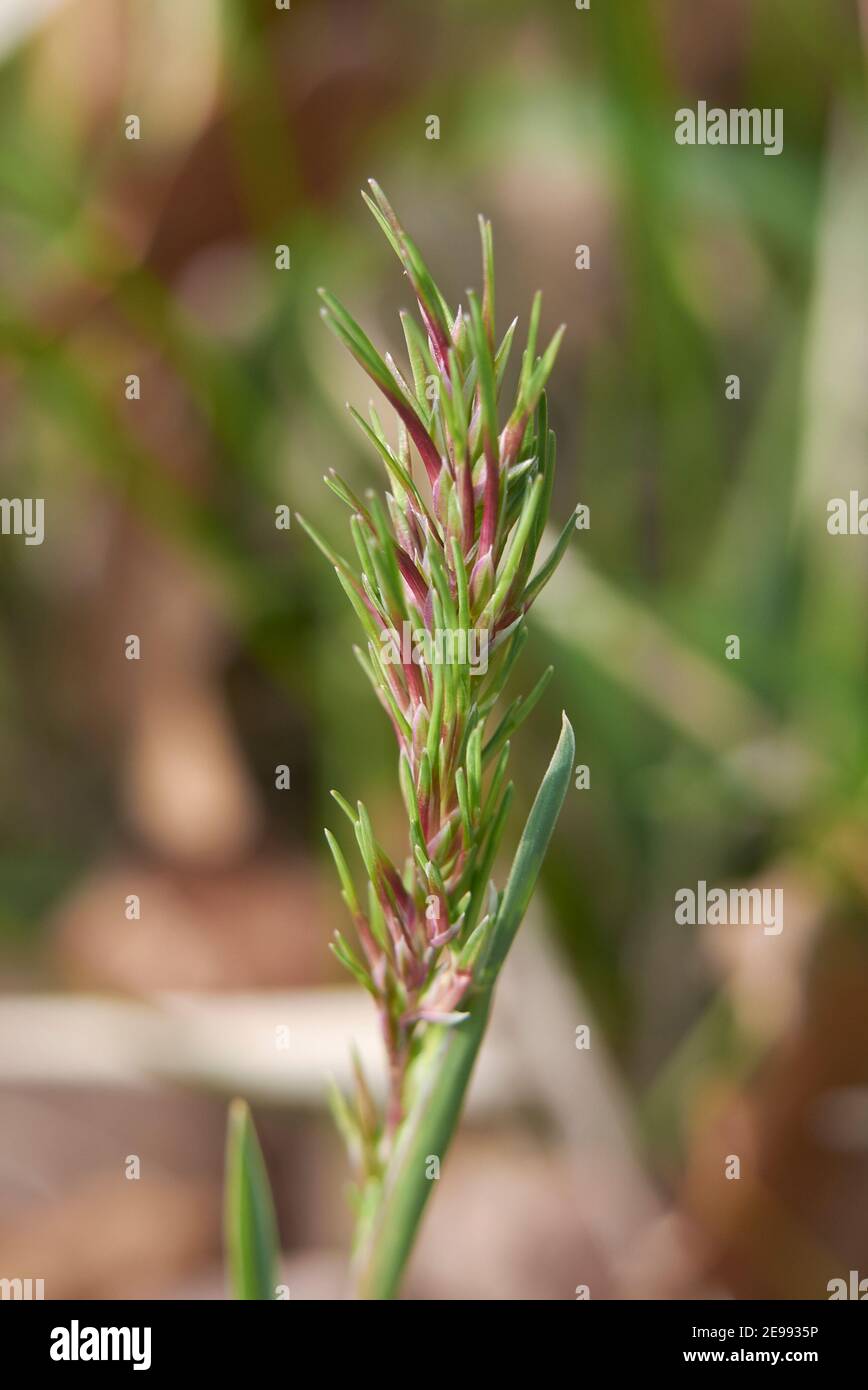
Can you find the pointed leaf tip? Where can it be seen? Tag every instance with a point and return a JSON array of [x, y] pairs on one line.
[[250, 1226]]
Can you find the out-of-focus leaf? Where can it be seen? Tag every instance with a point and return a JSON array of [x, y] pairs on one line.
[[250, 1225]]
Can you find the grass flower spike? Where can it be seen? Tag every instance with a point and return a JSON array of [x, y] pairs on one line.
[[444, 572]]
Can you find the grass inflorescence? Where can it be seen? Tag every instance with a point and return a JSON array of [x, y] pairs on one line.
[[442, 579]]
